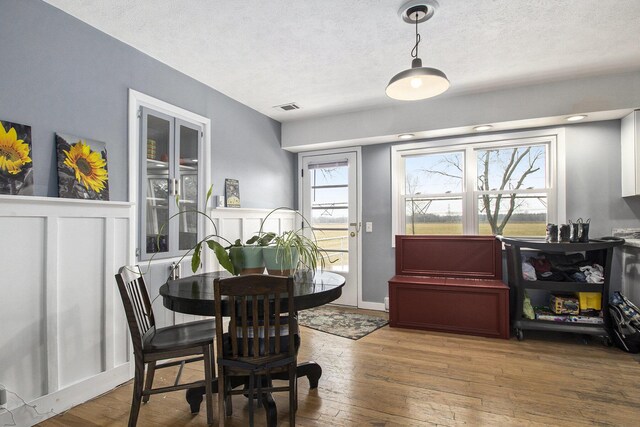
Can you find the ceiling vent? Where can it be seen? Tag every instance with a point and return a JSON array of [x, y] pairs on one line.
[[288, 107]]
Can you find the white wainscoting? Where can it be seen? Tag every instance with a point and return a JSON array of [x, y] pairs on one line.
[[63, 333], [243, 223]]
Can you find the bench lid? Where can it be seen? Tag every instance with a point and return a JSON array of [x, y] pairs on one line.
[[478, 257]]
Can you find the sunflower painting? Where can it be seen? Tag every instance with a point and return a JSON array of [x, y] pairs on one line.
[[82, 168], [16, 175]]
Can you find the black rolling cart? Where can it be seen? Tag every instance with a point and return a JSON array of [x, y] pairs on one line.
[[598, 251]]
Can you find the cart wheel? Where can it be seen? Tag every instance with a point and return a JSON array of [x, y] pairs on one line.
[[586, 339], [606, 341], [519, 334]]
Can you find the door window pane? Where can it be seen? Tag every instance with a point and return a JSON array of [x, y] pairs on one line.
[[334, 173], [335, 244], [329, 215], [336, 261], [329, 195]]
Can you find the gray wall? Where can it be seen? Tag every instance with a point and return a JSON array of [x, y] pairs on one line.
[[593, 178], [58, 74], [459, 111], [593, 191]]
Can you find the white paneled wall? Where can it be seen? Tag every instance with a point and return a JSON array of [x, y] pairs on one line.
[[242, 223], [63, 334], [63, 337]]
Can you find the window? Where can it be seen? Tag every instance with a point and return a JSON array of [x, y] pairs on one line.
[[433, 194], [475, 186]]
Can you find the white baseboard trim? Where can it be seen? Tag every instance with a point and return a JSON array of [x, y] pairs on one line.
[[371, 305], [62, 400]]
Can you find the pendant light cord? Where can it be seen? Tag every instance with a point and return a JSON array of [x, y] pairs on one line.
[[414, 51]]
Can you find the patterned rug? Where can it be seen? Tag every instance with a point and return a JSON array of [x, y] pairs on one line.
[[336, 321]]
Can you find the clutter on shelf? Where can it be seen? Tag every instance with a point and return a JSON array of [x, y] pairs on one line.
[[562, 268]]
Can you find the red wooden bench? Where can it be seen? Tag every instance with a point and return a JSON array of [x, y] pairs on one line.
[[450, 284]]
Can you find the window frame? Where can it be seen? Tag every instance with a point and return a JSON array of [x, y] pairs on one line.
[[555, 164]]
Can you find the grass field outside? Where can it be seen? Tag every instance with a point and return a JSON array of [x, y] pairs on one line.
[[337, 240], [519, 229]]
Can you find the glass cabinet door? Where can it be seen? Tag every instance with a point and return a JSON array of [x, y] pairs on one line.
[[169, 192], [156, 156], [188, 149]]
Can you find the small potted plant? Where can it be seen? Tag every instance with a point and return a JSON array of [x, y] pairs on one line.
[[247, 258]]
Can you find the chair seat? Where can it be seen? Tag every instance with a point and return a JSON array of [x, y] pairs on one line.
[[180, 336]]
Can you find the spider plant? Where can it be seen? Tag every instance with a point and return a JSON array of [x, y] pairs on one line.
[[293, 250]]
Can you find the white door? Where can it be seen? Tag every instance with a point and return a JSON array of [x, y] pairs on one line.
[[329, 200]]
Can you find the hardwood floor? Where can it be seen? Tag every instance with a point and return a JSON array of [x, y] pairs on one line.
[[404, 377]]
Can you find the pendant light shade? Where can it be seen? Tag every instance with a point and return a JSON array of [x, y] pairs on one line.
[[417, 82]]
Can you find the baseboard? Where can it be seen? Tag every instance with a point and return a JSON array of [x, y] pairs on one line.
[[379, 306], [59, 401]]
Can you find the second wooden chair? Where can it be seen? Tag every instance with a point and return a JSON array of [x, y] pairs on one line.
[[261, 340]]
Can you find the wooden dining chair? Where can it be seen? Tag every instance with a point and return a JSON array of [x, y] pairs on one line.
[[261, 338], [152, 344]]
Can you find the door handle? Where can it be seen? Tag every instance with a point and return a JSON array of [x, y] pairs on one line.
[[357, 226]]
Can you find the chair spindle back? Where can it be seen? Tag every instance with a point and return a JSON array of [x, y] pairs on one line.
[[137, 305], [255, 311]]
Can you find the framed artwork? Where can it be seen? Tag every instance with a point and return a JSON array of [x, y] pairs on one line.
[[232, 193], [82, 168], [16, 174]]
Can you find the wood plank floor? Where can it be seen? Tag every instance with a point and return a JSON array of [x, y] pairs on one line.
[[400, 377]]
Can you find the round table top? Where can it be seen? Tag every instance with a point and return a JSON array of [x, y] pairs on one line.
[[194, 294]]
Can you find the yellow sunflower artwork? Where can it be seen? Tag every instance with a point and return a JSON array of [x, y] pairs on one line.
[[15, 159], [82, 168]]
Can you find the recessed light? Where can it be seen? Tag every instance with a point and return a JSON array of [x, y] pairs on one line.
[[406, 136], [482, 127], [576, 118]]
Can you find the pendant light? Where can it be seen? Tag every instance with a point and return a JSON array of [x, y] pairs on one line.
[[417, 82]]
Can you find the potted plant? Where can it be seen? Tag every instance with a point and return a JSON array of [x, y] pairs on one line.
[[292, 252], [247, 258]]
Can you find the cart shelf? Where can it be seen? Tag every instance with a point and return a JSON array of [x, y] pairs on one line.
[[597, 251], [564, 286]]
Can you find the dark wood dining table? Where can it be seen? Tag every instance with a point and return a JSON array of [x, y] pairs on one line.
[[194, 295]]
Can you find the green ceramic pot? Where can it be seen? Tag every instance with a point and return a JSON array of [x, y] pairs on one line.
[[279, 261], [247, 259]]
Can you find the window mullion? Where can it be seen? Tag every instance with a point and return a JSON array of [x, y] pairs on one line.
[[470, 223]]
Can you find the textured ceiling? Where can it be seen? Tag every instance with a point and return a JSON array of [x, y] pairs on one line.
[[333, 56]]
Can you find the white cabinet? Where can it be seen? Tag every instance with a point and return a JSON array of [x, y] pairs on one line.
[[630, 145]]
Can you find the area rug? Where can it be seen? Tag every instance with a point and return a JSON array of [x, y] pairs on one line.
[[336, 321]]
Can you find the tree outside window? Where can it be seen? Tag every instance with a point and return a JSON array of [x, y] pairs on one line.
[[512, 191]]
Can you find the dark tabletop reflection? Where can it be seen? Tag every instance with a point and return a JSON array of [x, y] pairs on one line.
[[194, 294]]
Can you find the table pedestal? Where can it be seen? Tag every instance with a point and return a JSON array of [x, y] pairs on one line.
[[310, 369]]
